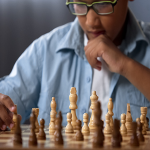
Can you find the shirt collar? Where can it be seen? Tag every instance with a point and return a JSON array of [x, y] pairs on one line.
[[73, 40], [134, 34]]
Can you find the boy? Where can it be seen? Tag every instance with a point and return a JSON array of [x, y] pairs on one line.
[[117, 46]]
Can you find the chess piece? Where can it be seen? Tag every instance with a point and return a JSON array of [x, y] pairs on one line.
[[147, 123], [143, 119], [85, 128], [110, 111], [17, 140], [52, 123], [128, 119], [60, 116], [42, 135], [58, 139], [78, 135], [53, 105], [123, 128], [73, 106], [116, 136], [138, 120], [108, 129], [139, 132], [69, 127], [94, 99], [134, 139], [52, 116], [36, 112], [14, 120], [32, 137], [98, 137]]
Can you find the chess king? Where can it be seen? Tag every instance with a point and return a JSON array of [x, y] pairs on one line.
[[105, 49]]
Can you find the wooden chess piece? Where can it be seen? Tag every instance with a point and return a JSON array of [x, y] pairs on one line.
[[94, 99], [98, 137], [69, 127], [58, 139], [147, 123], [17, 140], [36, 112], [143, 119], [85, 128], [42, 135], [139, 132], [138, 120], [53, 105], [14, 119], [110, 111], [78, 135], [73, 106], [116, 136], [128, 120], [52, 123], [134, 139], [107, 129], [32, 137], [52, 116], [123, 129]]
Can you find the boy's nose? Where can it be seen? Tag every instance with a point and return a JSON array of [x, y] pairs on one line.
[[93, 19]]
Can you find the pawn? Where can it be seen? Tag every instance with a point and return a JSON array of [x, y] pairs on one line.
[[98, 137], [116, 136], [134, 139], [58, 139], [78, 135], [52, 123], [107, 129], [17, 140], [137, 120], [142, 118], [69, 127], [32, 137], [123, 128], [85, 128], [147, 123], [41, 135], [139, 132]]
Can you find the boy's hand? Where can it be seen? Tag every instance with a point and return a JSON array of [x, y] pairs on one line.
[[7, 108], [103, 47]]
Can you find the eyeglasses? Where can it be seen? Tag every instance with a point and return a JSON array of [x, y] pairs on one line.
[[101, 7]]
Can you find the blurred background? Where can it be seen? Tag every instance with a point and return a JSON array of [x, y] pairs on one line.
[[22, 21]]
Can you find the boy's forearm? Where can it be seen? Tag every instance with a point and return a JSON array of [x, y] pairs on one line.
[[138, 75]]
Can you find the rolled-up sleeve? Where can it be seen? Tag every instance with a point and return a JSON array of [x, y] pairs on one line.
[[23, 83]]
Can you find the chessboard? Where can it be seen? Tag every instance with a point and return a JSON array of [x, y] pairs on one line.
[[6, 142]]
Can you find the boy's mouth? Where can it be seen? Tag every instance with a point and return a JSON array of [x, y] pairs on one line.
[[96, 33]]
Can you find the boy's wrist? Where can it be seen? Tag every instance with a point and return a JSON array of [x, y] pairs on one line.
[[128, 64]]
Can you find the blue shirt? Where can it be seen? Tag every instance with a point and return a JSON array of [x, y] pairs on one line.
[[56, 61]]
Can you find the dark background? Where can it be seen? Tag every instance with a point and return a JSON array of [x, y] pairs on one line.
[[22, 21]]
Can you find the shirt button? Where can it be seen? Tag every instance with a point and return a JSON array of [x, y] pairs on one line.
[[88, 79], [83, 110]]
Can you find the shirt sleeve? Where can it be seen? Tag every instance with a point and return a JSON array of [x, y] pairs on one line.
[[23, 83]]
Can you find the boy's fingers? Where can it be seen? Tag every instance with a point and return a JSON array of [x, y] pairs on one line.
[[4, 115], [2, 125], [7, 101]]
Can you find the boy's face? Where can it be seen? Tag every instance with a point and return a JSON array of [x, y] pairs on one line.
[[111, 25]]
